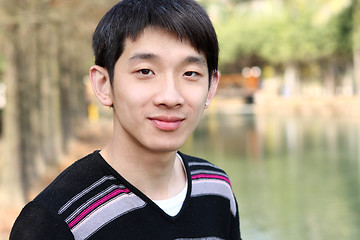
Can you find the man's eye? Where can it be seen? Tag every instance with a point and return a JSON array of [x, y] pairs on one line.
[[146, 72], [191, 74]]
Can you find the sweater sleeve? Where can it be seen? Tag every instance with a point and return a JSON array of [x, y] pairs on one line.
[[235, 228], [37, 222]]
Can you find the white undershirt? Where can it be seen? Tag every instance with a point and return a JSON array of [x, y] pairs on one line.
[[172, 206]]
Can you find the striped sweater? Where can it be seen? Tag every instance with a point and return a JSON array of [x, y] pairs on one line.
[[90, 200]]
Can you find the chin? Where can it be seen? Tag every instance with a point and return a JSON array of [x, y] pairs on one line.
[[167, 147]]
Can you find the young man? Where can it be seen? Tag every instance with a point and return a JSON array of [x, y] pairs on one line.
[[156, 66]]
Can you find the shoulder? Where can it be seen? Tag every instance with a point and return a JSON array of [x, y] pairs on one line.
[[43, 214], [68, 183], [209, 180], [201, 168], [37, 222]]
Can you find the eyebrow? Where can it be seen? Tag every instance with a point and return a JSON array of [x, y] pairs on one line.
[[143, 56], [151, 56], [196, 60]]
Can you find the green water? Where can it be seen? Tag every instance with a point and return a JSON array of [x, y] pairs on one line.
[[294, 178]]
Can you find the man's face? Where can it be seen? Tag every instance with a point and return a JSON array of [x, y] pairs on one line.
[[159, 91]]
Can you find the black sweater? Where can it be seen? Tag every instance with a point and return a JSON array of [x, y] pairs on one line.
[[90, 200]]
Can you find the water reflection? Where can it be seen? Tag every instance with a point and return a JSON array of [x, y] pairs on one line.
[[295, 178]]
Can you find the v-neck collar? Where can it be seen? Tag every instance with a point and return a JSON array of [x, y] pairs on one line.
[[144, 197]]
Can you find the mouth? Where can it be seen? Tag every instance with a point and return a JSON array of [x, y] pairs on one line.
[[167, 123]]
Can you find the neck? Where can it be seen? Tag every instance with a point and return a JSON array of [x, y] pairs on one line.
[[159, 175]]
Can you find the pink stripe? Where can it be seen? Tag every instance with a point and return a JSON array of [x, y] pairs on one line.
[[95, 205], [211, 176]]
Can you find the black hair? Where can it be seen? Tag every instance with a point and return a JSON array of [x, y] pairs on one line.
[[128, 18]]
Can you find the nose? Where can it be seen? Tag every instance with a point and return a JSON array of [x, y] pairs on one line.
[[169, 93]]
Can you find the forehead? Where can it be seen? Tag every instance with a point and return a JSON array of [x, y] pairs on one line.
[[159, 42]]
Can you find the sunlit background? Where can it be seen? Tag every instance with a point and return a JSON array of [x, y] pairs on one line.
[[285, 124]]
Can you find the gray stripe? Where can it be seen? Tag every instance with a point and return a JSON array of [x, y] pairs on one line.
[[208, 172], [108, 212], [90, 201], [85, 191], [203, 164], [217, 187]]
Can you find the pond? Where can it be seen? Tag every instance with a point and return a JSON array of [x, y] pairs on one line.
[[294, 178]]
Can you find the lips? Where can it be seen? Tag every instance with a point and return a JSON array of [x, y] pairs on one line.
[[167, 123]]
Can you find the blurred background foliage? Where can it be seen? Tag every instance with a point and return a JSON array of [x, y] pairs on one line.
[[278, 32], [315, 40]]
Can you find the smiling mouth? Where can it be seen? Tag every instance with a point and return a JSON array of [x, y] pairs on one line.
[[167, 123]]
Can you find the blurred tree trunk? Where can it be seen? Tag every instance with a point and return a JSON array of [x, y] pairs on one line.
[[72, 88], [66, 64], [12, 181], [356, 45], [329, 75], [22, 128], [50, 113], [29, 99], [46, 60]]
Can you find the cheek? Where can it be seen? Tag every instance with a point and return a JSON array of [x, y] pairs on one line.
[[132, 96], [197, 98]]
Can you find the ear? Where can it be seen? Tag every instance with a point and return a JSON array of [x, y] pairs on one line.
[[212, 89], [100, 82]]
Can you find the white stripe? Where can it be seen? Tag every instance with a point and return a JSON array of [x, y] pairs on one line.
[[203, 187], [108, 212]]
